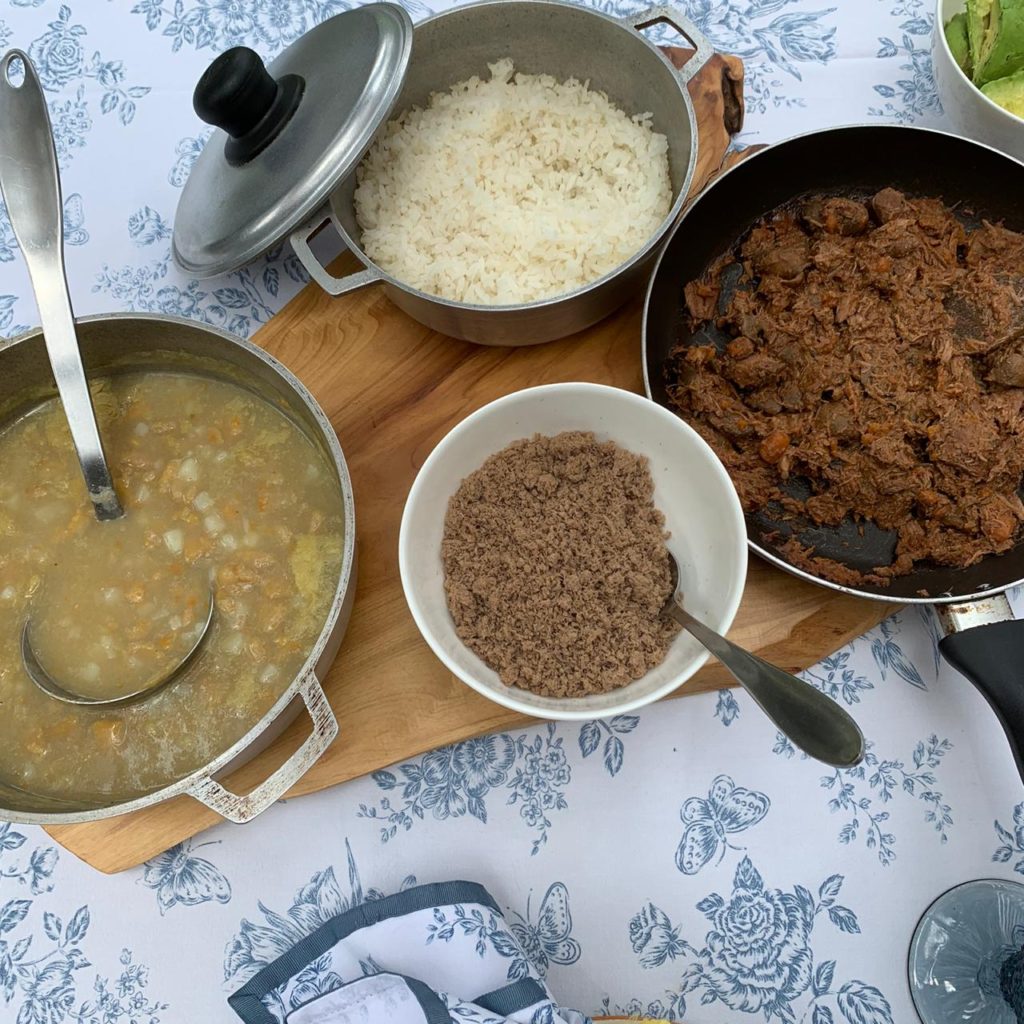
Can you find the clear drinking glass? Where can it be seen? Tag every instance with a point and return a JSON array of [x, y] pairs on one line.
[[967, 956]]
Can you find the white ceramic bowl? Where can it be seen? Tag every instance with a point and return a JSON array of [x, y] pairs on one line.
[[691, 487], [971, 113]]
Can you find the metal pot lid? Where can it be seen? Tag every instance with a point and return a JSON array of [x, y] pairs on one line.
[[287, 134]]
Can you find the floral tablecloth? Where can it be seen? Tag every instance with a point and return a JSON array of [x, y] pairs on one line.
[[681, 862]]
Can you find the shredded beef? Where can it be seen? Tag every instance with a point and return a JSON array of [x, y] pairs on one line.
[[877, 356]]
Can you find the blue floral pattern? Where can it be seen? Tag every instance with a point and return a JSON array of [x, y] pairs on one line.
[[929, 620], [483, 929], [36, 872], [913, 96], [728, 810], [71, 124], [42, 956], [123, 1000], [316, 979], [456, 780], [240, 306], [887, 779], [188, 150], [74, 228], [146, 226], [837, 678], [548, 940], [757, 956], [265, 25], [180, 878], [1012, 843], [727, 710], [889, 655], [61, 60], [60, 57], [775, 39], [610, 729], [656, 1009]]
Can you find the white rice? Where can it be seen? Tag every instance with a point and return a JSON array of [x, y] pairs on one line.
[[511, 190]]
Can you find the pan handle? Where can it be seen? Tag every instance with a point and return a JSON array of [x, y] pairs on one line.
[[667, 14], [241, 808], [987, 646], [300, 239]]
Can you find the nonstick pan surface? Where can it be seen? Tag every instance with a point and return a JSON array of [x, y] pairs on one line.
[[855, 162]]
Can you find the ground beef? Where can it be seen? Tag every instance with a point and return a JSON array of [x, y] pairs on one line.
[[874, 354], [555, 565]]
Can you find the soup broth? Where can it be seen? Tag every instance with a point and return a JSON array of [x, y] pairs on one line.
[[221, 493]]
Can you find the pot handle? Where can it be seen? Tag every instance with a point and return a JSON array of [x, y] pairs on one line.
[[317, 271], [240, 809], [666, 14], [991, 656]]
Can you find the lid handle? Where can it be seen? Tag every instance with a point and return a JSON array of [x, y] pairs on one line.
[[238, 94]]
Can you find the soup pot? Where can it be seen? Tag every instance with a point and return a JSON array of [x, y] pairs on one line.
[[540, 36], [132, 342]]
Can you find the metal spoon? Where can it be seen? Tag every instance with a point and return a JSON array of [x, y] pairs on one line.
[[30, 184], [813, 722]]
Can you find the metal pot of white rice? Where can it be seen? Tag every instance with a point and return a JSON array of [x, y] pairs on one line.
[[507, 170]]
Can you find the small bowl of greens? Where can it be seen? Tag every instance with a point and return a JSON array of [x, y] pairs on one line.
[[978, 59]]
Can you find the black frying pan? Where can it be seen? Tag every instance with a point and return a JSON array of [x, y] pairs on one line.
[[983, 639]]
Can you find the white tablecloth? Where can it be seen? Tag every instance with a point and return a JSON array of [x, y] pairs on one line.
[[681, 860]]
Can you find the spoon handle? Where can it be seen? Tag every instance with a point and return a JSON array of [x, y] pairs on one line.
[[31, 192], [814, 722]]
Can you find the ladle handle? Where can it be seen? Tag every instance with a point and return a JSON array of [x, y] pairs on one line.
[[813, 721], [31, 191]]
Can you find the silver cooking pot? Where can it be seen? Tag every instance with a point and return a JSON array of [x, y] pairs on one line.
[[542, 37], [123, 343]]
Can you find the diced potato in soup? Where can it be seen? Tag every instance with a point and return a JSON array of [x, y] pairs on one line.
[[221, 491]]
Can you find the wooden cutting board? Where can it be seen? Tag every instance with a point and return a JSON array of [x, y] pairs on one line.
[[392, 389]]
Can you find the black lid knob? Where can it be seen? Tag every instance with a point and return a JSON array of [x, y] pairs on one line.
[[237, 93]]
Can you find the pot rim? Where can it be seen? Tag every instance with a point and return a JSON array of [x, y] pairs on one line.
[[638, 257], [214, 766]]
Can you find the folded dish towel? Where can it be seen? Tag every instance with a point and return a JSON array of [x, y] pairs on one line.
[[436, 954]]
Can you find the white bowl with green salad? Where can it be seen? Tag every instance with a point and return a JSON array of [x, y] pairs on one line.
[[978, 59]]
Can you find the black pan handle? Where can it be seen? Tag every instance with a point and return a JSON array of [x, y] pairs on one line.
[[992, 657]]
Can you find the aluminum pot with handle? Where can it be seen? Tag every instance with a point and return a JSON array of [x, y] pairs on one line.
[[540, 36], [131, 343], [126, 343], [983, 639]]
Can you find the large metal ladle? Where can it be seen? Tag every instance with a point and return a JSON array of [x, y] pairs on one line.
[[31, 190], [811, 720], [30, 185]]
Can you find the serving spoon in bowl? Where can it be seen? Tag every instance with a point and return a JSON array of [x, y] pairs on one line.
[[30, 184], [812, 721]]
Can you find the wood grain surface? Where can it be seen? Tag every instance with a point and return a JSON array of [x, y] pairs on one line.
[[392, 389]]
